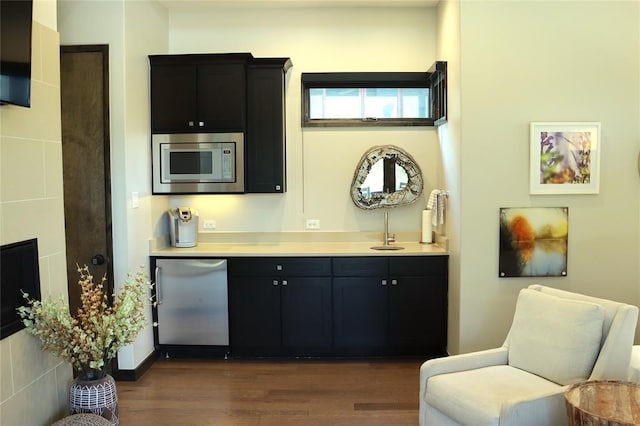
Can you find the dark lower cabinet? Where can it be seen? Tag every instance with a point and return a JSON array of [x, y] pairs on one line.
[[418, 301], [254, 316], [360, 315], [306, 315], [340, 306], [417, 316], [280, 306]]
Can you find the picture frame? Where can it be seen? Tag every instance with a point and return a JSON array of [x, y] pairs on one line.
[[564, 158], [533, 241]]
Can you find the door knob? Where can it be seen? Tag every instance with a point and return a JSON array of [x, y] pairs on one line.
[[98, 259]]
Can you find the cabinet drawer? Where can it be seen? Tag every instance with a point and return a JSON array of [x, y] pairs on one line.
[[418, 266], [359, 266], [280, 266]]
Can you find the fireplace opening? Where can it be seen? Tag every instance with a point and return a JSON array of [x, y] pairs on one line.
[[19, 272]]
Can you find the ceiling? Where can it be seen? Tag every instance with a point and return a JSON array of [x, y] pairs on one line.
[[298, 3]]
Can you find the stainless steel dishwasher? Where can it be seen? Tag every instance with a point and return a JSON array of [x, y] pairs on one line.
[[192, 302]]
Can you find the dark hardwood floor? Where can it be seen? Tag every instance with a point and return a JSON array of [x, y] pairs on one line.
[[297, 392]]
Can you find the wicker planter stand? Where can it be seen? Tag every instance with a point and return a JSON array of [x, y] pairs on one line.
[[95, 396]]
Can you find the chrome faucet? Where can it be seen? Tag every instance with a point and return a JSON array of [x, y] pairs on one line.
[[388, 238]]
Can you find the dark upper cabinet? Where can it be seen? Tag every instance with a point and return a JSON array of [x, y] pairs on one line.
[[198, 93], [173, 91], [265, 144], [230, 92], [222, 97]]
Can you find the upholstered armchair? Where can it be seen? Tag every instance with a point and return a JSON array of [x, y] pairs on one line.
[[634, 368], [556, 338]]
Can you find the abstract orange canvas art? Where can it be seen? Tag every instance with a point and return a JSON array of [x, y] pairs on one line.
[[533, 241]]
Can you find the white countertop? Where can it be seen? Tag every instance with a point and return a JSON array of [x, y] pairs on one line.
[[297, 244]]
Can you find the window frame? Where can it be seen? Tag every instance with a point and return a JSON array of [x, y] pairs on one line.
[[434, 79]]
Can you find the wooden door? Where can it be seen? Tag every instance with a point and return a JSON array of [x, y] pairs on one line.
[[84, 87]]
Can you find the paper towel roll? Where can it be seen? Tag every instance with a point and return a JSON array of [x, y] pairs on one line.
[[427, 234]]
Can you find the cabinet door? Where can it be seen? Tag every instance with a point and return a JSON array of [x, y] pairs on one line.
[[360, 316], [418, 305], [265, 146], [173, 98], [254, 315], [306, 315], [418, 315], [221, 97]]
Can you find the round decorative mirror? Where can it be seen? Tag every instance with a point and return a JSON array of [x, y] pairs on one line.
[[387, 176]]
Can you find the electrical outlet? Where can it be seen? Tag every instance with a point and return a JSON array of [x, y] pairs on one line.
[[209, 224], [313, 224]]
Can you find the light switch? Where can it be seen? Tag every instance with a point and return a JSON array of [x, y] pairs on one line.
[[135, 200]]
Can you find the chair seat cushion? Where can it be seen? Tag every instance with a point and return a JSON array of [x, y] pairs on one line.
[[476, 397], [556, 338]]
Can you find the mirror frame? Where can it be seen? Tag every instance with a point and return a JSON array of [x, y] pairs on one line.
[[408, 195]]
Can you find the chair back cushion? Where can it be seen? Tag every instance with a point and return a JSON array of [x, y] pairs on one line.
[[555, 338], [610, 307]]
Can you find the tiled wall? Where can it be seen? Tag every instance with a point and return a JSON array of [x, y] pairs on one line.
[[33, 384]]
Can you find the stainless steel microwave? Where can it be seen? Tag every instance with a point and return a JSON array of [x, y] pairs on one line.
[[197, 163]]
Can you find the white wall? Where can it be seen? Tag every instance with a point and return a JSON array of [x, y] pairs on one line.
[[320, 162], [132, 30], [32, 205], [524, 61], [449, 136]]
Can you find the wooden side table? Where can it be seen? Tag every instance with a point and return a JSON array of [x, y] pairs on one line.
[[603, 403]]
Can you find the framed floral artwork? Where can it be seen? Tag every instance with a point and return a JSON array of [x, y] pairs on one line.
[[565, 158]]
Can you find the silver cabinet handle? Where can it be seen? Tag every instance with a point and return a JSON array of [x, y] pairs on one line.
[[157, 278], [384, 282], [275, 282], [278, 267], [191, 124], [394, 282], [201, 123], [284, 282]]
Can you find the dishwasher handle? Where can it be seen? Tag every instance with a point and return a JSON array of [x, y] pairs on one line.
[[157, 279], [207, 265]]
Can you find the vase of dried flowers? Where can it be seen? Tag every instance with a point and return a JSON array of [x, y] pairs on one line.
[[96, 396], [90, 339]]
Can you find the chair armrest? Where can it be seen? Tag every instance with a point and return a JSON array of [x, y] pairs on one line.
[[455, 363], [462, 362], [547, 408], [615, 354]]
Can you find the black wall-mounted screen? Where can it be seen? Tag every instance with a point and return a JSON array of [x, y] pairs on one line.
[[15, 52], [19, 271]]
